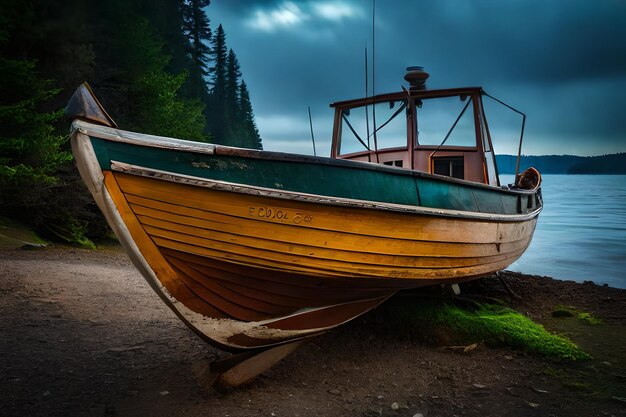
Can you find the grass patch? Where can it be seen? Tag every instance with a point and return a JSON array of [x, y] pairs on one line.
[[569, 311], [493, 324], [72, 233], [14, 235], [588, 318]]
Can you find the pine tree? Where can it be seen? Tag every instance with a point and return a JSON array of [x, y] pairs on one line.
[[246, 116], [196, 27], [30, 151], [218, 70], [197, 30], [231, 101], [215, 120], [233, 73]]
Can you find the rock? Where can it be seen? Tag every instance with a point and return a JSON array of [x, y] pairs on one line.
[[163, 393], [540, 391], [380, 397], [334, 391], [470, 347], [395, 406], [533, 405], [418, 415], [480, 386]]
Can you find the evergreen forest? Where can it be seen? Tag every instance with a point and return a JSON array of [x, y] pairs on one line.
[[158, 66]]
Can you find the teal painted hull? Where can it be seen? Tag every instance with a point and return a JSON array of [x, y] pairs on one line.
[[323, 177]]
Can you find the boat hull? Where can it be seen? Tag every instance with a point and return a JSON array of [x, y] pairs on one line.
[[249, 267]]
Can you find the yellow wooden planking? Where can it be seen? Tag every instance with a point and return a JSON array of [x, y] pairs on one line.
[[263, 232], [292, 289], [325, 217], [307, 254], [324, 268], [267, 277], [317, 238], [370, 222], [262, 294]]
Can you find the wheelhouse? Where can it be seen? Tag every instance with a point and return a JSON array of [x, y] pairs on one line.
[[443, 132]]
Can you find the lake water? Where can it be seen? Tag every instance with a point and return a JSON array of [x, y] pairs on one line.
[[581, 232]]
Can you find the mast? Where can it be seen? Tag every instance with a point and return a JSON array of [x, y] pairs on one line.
[[374, 78], [312, 137]]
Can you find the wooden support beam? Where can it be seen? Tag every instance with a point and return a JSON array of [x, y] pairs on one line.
[[241, 368]]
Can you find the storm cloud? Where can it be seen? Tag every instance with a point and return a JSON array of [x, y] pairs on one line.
[[562, 62]]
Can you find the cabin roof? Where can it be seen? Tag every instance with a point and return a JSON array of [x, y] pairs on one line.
[[402, 95]]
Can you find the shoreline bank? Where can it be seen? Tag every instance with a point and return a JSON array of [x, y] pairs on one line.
[[81, 333]]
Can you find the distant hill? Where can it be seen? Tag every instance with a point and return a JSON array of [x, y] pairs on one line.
[[565, 164]]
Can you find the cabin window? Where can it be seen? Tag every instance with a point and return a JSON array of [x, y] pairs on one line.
[[451, 166], [398, 163], [357, 129], [446, 121]]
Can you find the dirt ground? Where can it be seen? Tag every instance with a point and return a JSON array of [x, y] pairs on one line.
[[82, 334]]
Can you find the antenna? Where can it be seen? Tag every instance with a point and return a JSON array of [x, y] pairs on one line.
[[367, 112], [374, 78], [312, 137]]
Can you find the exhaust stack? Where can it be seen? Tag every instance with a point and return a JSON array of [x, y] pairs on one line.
[[416, 76]]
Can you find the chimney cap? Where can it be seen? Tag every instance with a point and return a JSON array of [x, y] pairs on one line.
[[416, 76]]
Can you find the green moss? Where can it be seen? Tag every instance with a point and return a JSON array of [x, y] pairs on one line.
[[588, 318], [513, 329], [495, 325], [564, 311], [569, 311]]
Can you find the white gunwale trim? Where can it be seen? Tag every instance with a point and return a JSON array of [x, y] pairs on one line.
[[141, 139], [162, 142], [313, 198]]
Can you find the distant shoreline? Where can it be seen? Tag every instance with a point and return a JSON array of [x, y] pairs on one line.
[[613, 164]]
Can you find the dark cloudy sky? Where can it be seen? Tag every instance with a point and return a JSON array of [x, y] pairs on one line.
[[562, 62]]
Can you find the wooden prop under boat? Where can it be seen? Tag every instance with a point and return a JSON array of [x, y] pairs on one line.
[[258, 251]]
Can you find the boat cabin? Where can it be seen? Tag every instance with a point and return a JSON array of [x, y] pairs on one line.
[[442, 132]]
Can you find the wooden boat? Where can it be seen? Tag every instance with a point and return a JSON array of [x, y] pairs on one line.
[[259, 251]]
